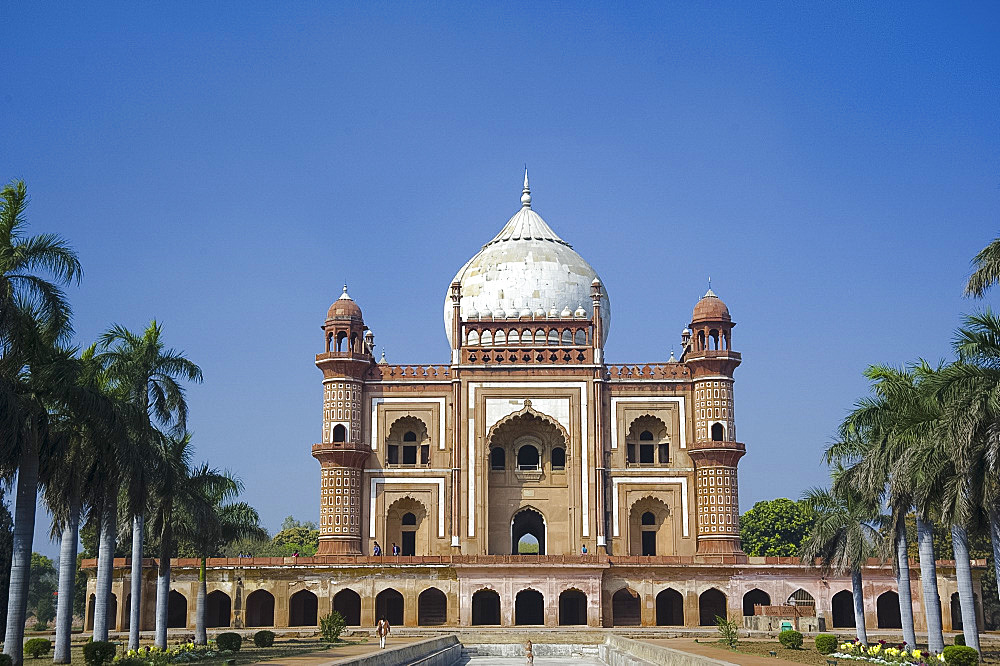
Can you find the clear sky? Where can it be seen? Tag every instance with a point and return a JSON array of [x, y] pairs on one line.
[[225, 167]]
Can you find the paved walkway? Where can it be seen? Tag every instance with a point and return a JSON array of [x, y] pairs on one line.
[[335, 654], [705, 650], [539, 661]]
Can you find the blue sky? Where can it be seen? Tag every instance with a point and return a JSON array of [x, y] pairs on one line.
[[225, 168]]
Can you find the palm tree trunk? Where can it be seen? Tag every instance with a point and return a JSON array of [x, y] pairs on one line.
[[903, 585], [928, 579], [995, 539], [859, 606], [20, 565], [162, 591], [67, 580], [135, 612], [200, 635], [105, 568], [963, 576]]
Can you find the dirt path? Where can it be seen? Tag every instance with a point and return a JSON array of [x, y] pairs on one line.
[[713, 652], [335, 654]]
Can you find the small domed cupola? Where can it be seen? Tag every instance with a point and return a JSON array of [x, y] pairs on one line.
[[344, 308], [710, 308], [711, 326], [345, 328]]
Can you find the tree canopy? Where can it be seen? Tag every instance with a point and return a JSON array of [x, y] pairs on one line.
[[776, 528]]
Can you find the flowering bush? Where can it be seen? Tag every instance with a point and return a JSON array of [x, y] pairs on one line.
[[180, 654], [880, 653]]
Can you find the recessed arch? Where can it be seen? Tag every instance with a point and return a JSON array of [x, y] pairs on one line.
[[529, 607], [218, 609], [843, 610], [669, 608], [303, 607], [625, 608], [647, 441], [347, 602], [572, 607], [389, 605], [260, 609], [485, 607], [432, 608], [755, 597], [112, 611], [887, 611], [408, 442], [176, 610], [650, 527], [801, 598], [407, 527], [526, 522], [718, 432], [711, 604]]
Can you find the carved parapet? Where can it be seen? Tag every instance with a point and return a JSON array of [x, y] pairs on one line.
[[638, 371], [384, 372]]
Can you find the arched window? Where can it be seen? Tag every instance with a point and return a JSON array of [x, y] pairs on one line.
[[648, 518], [354, 342], [646, 448], [339, 434], [648, 529], [498, 459], [409, 448], [341, 337], [558, 458], [717, 432], [408, 533], [701, 340], [527, 457], [713, 337]]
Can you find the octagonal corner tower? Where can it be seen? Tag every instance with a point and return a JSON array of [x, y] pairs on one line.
[[526, 269]]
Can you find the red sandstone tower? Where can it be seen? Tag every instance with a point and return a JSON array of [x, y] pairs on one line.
[[715, 451], [341, 453]]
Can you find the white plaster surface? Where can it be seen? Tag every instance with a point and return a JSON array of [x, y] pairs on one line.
[[557, 408]]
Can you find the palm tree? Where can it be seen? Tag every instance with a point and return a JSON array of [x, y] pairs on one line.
[[146, 375], [866, 451], [224, 521], [34, 319], [986, 271], [843, 537], [180, 492], [70, 485]]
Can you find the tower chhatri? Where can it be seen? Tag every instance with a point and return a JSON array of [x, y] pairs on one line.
[[715, 451], [341, 453]]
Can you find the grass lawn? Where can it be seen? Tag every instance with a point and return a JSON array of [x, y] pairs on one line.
[[249, 653]]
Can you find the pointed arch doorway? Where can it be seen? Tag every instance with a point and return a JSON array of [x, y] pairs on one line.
[[527, 533]]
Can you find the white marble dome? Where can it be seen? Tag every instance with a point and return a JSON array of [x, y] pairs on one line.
[[526, 267]]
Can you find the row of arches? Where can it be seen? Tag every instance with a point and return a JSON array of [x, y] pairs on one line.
[[528, 458], [579, 337], [712, 340], [529, 608]]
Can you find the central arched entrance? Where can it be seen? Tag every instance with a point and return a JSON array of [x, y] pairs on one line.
[[302, 609], [625, 610], [218, 608], [485, 608], [572, 607], [527, 533], [529, 607], [348, 604], [389, 605], [669, 608]]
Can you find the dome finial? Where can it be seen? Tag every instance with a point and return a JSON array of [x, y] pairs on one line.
[[710, 292], [526, 192], [344, 295]]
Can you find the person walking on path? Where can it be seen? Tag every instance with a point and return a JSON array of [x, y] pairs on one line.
[[382, 629], [529, 654], [377, 550]]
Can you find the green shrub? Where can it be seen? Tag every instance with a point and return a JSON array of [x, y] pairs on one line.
[[99, 653], [263, 638], [790, 639], [36, 647], [5, 660], [960, 655], [331, 626], [959, 639], [728, 631], [229, 640], [826, 643], [40, 626]]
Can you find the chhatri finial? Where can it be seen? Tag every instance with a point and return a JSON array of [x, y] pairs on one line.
[[710, 292], [526, 192], [344, 295]]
